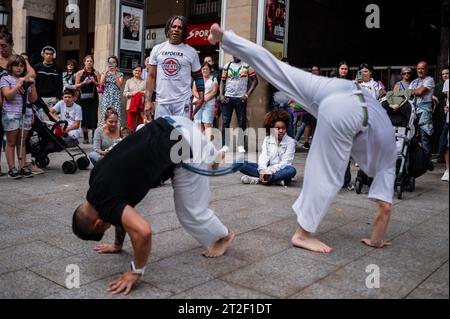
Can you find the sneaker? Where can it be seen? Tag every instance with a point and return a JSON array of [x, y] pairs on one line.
[[225, 149], [26, 173], [306, 146], [445, 177], [241, 149], [85, 141], [281, 183], [350, 187], [14, 173], [34, 169], [249, 180]]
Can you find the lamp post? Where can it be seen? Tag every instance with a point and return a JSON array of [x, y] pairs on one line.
[[4, 14]]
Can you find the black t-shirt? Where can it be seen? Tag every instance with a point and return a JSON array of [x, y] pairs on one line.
[[126, 174]]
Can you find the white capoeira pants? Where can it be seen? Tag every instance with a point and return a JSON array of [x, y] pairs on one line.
[[191, 195], [340, 132], [191, 191], [176, 109]]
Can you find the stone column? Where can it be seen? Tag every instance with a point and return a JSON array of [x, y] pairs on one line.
[[242, 18], [19, 30], [105, 32], [21, 9]]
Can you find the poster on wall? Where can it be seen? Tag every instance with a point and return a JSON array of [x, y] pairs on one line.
[[275, 26], [131, 35], [132, 28]]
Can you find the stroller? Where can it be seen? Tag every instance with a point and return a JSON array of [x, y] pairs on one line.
[[402, 114], [48, 137]]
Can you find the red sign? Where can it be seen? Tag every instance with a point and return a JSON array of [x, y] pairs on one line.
[[198, 34]]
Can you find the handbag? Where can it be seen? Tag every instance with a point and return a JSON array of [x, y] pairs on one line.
[[419, 163], [100, 89]]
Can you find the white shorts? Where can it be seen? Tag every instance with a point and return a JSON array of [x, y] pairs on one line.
[[12, 121]]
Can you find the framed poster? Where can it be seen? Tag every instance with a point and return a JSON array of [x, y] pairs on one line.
[[132, 28], [275, 26]]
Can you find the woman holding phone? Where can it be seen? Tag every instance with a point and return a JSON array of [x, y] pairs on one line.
[[111, 80]]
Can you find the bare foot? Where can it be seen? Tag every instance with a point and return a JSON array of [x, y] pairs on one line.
[[220, 247], [304, 240], [373, 244], [216, 34]]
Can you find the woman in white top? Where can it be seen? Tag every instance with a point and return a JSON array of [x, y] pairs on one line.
[[277, 155], [375, 88], [134, 86], [204, 116]]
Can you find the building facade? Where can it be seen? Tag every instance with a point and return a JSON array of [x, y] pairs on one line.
[[309, 32]]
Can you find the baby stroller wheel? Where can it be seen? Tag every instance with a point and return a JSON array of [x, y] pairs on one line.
[[358, 186], [69, 167], [83, 163], [399, 189], [42, 162], [412, 184]]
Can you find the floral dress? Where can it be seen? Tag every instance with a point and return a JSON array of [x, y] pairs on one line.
[[111, 96]]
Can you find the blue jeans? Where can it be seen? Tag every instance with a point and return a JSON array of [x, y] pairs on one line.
[[425, 122], [227, 114], [286, 174], [300, 131], [443, 144], [95, 157]]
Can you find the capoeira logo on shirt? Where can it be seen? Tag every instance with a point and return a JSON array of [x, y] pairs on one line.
[[171, 67]]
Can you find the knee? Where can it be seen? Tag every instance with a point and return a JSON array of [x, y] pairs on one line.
[[384, 209]]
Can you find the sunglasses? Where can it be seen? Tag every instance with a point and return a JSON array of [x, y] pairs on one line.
[[406, 73]]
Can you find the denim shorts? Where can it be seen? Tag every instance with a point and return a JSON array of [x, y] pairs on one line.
[[12, 122], [205, 115]]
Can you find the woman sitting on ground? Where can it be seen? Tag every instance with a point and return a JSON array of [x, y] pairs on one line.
[[105, 136], [277, 155]]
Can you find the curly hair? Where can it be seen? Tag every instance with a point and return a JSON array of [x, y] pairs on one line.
[[276, 116]]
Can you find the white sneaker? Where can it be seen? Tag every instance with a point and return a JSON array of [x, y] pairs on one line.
[[445, 177], [225, 149], [249, 180], [241, 149]]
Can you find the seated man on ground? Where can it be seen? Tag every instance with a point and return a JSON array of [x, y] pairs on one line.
[[277, 155]]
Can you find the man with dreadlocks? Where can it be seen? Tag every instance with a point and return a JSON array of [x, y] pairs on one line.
[[171, 66]]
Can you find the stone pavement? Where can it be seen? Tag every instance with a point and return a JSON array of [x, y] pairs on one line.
[[37, 244]]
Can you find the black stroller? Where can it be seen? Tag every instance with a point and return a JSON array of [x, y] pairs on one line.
[[45, 141], [402, 114]]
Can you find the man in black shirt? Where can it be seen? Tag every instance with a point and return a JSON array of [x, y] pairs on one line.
[[49, 82], [124, 177]]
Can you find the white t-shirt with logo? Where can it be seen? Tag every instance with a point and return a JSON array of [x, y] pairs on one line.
[[428, 82], [175, 64], [69, 114]]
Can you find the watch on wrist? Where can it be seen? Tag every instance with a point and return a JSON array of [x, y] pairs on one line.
[[137, 271]]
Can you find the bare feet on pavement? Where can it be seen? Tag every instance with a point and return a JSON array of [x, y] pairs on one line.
[[220, 247], [305, 240]]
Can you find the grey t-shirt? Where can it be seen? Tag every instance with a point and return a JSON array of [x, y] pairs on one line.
[[101, 140]]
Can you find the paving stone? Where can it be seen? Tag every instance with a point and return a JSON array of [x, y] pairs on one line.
[[281, 275], [218, 289], [97, 290], [256, 245], [26, 255], [92, 267], [24, 284]]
